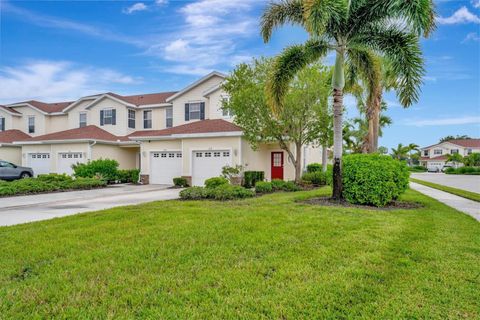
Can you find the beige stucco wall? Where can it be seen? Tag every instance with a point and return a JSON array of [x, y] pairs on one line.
[[56, 123], [126, 156], [73, 115], [215, 106], [11, 154], [40, 121], [10, 122], [193, 95]]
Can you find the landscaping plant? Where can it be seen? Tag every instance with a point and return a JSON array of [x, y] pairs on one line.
[[180, 182], [316, 178], [252, 177], [106, 168], [215, 182], [263, 187], [372, 179]]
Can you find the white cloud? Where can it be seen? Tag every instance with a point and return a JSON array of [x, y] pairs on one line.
[[139, 6], [65, 24], [161, 2], [476, 3], [57, 81], [462, 15], [472, 36], [445, 121], [208, 35]]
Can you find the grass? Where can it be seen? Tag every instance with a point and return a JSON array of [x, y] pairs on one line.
[[263, 258], [459, 192]]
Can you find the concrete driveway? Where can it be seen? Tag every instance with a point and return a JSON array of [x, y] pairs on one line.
[[16, 210], [464, 182]]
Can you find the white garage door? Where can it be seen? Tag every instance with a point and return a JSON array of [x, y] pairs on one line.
[[164, 166], [67, 159], [208, 164], [39, 162]]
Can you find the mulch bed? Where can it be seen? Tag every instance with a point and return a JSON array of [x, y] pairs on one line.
[[329, 202]]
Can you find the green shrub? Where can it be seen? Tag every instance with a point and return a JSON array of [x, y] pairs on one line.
[[317, 178], [215, 182], [105, 168], [329, 175], [314, 167], [373, 179], [252, 177], [193, 193], [229, 192], [128, 176], [291, 186], [48, 183], [278, 184], [180, 182], [417, 169], [450, 170], [263, 187]]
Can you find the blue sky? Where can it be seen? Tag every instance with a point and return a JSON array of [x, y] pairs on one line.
[[62, 50]]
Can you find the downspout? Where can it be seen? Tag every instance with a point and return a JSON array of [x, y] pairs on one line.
[[90, 149]]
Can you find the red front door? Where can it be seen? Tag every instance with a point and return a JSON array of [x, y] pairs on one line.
[[277, 165]]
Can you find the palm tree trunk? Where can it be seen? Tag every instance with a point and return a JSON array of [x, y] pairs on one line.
[[376, 120], [324, 158], [338, 82], [337, 143]]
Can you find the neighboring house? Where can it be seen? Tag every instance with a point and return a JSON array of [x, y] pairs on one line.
[[166, 135], [8, 151], [435, 156]]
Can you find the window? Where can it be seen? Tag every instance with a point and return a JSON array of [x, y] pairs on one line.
[[425, 153], [169, 117], [31, 124], [2, 124], [226, 153], [226, 113], [208, 154], [131, 119], [437, 151], [5, 164], [82, 118], [469, 151], [453, 151], [147, 119], [194, 111], [108, 116]]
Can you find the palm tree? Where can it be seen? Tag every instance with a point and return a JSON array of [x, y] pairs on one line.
[[455, 158], [355, 30], [401, 152]]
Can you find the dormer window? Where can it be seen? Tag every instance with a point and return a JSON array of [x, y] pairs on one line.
[[454, 151], [2, 124], [195, 111], [437, 152], [425, 153], [31, 124], [108, 116]]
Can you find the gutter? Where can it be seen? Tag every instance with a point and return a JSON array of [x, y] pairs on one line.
[[189, 135]]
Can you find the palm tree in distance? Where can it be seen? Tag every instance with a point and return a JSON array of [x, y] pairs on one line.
[[356, 30]]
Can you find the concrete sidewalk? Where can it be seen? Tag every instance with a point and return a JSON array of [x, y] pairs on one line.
[[16, 210], [467, 206]]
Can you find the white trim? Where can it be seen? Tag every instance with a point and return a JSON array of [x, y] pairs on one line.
[[104, 96], [212, 89], [28, 105], [156, 105], [74, 104], [190, 135], [10, 112], [5, 144], [118, 142], [196, 83]]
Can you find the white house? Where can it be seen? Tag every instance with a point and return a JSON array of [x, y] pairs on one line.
[[435, 156], [165, 135]]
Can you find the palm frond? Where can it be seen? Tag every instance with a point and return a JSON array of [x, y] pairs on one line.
[[402, 49], [287, 64], [278, 14], [325, 16]]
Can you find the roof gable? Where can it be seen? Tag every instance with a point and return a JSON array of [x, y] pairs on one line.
[[196, 83], [10, 136]]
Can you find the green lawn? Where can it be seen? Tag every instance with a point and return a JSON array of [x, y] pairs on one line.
[[268, 258], [459, 192]]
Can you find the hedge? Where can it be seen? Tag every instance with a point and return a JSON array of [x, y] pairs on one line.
[[263, 187], [180, 182], [252, 177], [222, 192], [317, 178], [48, 183], [463, 170], [106, 169], [373, 179], [215, 182]]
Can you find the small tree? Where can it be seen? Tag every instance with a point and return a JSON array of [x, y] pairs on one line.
[[472, 160], [302, 120], [455, 158]]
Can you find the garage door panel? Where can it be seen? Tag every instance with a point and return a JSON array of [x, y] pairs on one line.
[[209, 164], [164, 166], [40, 163], [67, 159]]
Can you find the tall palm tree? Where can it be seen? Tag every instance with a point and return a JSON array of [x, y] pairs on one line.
[[355, 30], [401, 152]]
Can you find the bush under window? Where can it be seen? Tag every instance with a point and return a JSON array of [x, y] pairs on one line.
[[373, 179]]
